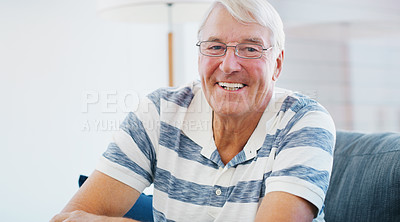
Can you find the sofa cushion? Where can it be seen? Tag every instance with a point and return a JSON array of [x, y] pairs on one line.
[[365, 182]]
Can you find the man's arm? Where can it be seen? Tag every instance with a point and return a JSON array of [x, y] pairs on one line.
[[100, 195], [282, 206]]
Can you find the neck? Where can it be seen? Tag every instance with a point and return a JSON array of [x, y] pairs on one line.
[[231, 134]]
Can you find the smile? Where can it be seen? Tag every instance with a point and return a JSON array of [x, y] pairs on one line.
[[231, 86]]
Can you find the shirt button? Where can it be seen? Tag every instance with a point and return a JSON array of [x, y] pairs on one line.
[[218, 192]]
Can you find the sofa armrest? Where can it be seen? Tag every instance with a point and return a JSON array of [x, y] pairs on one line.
[[365, 182]]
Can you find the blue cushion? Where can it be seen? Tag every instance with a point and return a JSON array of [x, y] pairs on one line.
[[365, 183], [143, 209]]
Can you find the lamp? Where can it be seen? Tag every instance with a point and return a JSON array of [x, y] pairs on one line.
[[155, 11]]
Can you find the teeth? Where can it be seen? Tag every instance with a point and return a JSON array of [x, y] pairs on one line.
[[231, 86]]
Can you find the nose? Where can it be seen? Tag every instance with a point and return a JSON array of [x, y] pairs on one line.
[[230, 62]]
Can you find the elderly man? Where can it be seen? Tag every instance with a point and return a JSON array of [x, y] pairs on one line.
[[229, 148]]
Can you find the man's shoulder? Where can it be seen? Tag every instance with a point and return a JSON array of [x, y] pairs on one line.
[[296, 102], [181, 95]]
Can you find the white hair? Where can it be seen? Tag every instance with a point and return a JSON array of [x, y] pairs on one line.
[[253, 11]]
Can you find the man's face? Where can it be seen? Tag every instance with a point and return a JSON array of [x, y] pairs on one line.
[[253, 76]]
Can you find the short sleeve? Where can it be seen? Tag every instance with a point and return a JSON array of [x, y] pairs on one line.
[[304, 155], [131, 156]]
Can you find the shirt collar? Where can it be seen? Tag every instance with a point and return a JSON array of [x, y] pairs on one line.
[[198, 127]]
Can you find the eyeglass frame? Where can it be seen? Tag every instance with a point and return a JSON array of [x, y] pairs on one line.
[[236, 51]]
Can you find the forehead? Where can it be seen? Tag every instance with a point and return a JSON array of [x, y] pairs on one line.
[[222, 26]]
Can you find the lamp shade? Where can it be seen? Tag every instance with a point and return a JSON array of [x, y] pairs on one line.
[[153, 11]]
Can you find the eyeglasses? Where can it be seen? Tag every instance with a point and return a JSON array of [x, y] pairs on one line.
[[242, 50]]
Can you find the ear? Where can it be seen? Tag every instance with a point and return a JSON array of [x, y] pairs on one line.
[[278, 65]]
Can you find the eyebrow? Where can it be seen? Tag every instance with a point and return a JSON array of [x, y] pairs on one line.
[[251, 40], [213, 39], [254, 40]]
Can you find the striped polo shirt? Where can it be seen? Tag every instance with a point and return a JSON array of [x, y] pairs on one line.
[[169, 141]]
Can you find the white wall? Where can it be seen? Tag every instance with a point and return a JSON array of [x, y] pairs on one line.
[[53, 54], [350, 69], [375, 83]]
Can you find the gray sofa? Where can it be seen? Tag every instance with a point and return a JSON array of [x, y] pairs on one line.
[[365, 182]]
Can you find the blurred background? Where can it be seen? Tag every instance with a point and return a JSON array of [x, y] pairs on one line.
[[68, 77]]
